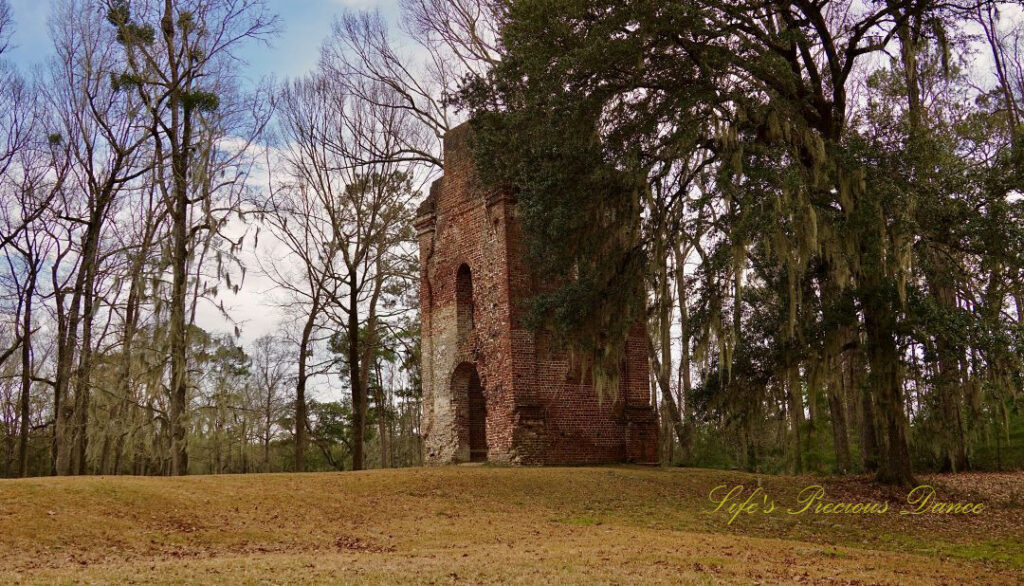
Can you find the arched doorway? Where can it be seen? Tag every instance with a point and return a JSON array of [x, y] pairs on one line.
[[471, 411]]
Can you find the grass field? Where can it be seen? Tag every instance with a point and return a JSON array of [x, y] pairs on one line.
[[488, 524]]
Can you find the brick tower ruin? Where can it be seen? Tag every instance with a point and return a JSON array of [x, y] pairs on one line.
[[493, 390]]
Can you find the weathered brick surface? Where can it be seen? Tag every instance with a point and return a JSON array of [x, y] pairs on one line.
[[534, 409]]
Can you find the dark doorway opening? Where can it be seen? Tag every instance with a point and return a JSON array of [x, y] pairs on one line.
[[477, 420], [471, 409]]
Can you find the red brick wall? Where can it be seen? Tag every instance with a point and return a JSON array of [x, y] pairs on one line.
[[536, 411]]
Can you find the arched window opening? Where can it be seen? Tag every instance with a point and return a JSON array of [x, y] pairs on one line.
[[464, 301]]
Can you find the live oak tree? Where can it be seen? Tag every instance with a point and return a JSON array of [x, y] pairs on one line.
[[627, 128]]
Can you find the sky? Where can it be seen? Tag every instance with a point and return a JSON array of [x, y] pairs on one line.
[[305, 24]]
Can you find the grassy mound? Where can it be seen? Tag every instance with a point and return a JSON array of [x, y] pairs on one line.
[[484, 524]]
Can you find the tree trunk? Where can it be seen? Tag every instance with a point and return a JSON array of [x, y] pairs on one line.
[[382, 418], [868, 427], [894, 465], [26, 369], [954, 452], [121, 408], [266, 449], [301, 411], [178, 346], [368, 348], [358, 392], [796, 415], [840, 439], [663, 364], [685, 385], [179, 135], [84, 377], [67, 342]]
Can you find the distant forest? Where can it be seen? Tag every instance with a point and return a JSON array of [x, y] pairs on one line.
[[821, 201]]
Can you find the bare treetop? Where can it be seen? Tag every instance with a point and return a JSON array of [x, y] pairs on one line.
[[6, 23]]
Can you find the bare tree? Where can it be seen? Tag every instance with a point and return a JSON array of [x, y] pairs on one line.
[[105, 142], [301, 214], [461, 35], [363, 58], [29, 180], [6, 24], [342, 214], [20, 118], [181, 70], [271, 371], [420, 71], [135, 247], [16, 121], [33, 169], [378, 201]]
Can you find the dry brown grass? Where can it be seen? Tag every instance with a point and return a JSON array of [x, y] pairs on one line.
[[484, 524]]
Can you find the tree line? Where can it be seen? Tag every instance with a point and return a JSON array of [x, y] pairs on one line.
[[819, 203], [140, 171]]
